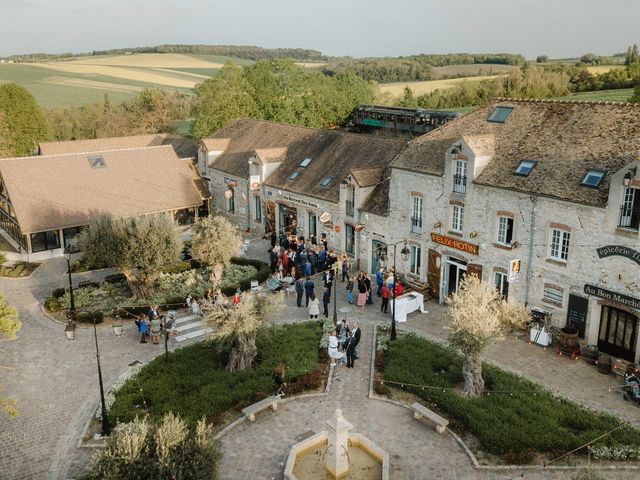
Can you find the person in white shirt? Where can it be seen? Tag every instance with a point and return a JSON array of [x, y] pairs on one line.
[[334, 353]]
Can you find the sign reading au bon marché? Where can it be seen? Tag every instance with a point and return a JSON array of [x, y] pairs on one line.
[[612, 296], [619, 250]]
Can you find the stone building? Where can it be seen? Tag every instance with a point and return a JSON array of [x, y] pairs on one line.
[[540, 198], [270, 177]]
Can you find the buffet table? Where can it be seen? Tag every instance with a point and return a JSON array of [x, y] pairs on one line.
[[407, 303]]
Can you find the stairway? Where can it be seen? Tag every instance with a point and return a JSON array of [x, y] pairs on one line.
[[188, 326]]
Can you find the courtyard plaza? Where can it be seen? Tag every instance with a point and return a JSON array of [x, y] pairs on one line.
[[55, 384]]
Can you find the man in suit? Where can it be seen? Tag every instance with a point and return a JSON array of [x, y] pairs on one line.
[[299, 291], [326, 299], [351, 350], [356, 333], [308, 289]]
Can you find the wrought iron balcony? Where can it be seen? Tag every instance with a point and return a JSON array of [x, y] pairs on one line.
[[460, 184], [629, 217]]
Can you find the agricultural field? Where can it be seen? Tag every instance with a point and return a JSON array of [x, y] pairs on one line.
[[600, 69], [621, 95], [73, 82], [478, 69], [428, 86]]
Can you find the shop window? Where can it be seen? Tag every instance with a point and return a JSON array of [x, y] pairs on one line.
[[559, 245], [45, 241], [415, 259], [505, 231], [502, 284]]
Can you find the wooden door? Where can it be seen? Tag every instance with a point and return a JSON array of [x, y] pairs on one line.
[[433, 274], [475, 269]]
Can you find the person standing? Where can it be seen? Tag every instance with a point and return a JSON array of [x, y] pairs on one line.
[[278, 378], [314, 307], [350, 284], [299, 291], [326, 299], [362, 292], [356, 333], [308, 289], [143, 330], [328, 280], [307, 268], [345, 268], [367, 283], [236, 297], [386, 294], [155, 330], [351, 350], [322, 258], [380, 280]]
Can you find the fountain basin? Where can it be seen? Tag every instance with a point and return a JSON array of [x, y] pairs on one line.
[[306, 460]]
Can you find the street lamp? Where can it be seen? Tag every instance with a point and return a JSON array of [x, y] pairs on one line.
[[335, 294], [405, 256]]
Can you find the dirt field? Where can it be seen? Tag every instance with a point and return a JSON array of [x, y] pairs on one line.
[[420, 88], [597, 70]]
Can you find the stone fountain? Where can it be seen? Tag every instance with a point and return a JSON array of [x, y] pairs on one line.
[[337, 453]]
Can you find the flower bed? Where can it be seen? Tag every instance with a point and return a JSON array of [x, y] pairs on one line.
[[18, 269], [519, 420], [195, 383]]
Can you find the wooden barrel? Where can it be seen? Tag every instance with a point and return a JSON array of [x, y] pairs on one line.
[[604, 363], [569, 337], [590, 354]]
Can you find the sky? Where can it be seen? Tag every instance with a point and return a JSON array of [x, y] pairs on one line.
[[558, 28]]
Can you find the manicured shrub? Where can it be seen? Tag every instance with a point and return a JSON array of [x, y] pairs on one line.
[[53, 304], [517, 419]]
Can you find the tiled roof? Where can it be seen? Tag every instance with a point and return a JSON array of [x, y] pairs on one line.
[[367, 177], [566, 139], [378, 200], [58, 191], [184, 147], [332, 153]]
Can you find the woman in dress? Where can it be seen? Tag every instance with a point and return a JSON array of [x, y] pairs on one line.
[[334, 353], [314, 307], [362, 292]]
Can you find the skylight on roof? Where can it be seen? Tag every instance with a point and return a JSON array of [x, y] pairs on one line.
[[293, 176], [306, 162], [593, 178], [500, 114], [525, 167], [325, 183], [96, 161]]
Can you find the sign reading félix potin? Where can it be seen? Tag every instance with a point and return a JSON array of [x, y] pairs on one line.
[[612, 296], [454, 243], [619, 250]]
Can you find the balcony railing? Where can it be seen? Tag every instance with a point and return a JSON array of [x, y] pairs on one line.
[[416, 225], [629, 217], [460, 184], [350, 208]]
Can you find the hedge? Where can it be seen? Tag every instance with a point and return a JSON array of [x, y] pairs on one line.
[[522, 418]]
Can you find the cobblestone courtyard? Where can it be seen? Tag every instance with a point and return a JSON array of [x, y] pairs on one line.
[[55, 383]]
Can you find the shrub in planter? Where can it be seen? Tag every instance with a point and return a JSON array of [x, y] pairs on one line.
[[53, 304]]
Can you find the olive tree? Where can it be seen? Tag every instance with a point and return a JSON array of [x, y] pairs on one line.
[[480, 315], [239, 326], [215, 240], [9, 328], [140, 247]]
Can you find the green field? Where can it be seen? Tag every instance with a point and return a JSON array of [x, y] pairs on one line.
[[622, 95]]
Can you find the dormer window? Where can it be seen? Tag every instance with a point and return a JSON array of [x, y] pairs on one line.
[[293, 176], [500, 114], [593, 178], [460, 177], [525, 167], [305, 163]]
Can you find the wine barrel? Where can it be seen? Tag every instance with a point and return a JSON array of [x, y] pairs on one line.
[[590, 354], [569, 337], [604, 363]]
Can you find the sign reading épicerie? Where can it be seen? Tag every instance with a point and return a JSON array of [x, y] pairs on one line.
[[619, 250], [612, 296]]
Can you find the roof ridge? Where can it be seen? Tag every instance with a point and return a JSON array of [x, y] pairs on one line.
[[569, 102], [85, 153]]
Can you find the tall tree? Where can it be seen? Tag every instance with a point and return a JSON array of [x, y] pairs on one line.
[[239, 325], [140, 247], [26, 123], [215, 240], [480, 316], [222, 99], [9, 328]]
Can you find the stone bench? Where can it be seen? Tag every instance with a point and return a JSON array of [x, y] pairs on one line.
[[420, 411], [251, 410]]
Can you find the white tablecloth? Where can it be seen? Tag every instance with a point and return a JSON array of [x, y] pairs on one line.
[[407, 303]]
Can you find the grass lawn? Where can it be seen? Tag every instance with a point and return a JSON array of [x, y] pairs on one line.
[[194, 383], [524, 421]]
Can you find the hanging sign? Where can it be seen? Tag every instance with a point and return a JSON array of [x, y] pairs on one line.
[[514, 270], [325, 217], [337, 228], [254, 181], [619, 250], [454, 243], [359, 227], [231, 182], [612, 296]]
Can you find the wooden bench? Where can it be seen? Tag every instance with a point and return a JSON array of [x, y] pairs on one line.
[[420, 411], [251, 410]]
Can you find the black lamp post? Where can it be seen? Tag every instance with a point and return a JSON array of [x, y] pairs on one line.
[[405, 256]]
